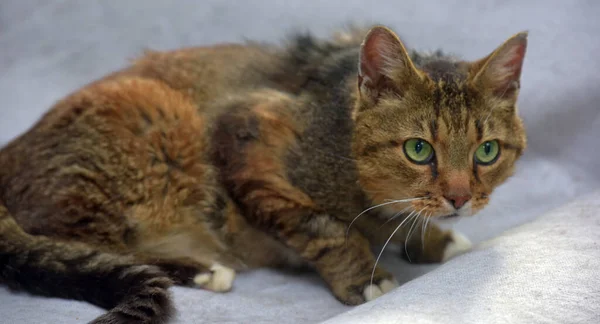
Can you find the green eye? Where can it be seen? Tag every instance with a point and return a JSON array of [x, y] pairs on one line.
[[487, 153], [418, 151]]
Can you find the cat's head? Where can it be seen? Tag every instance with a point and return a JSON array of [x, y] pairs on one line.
[[444, 131]]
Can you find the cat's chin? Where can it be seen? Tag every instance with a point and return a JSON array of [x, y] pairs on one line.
[[448, 220], [450, 216], [453, 217]]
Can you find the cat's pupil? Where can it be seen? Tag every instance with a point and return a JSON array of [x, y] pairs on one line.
[[418, 147], [487, 148]]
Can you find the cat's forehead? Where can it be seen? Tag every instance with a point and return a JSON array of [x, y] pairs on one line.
[[460, 116], [451, 112], [448, 86], [449, 71], [452, 106], [446, 106]]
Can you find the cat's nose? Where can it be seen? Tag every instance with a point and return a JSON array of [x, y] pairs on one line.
[[458, 190], [458, 200]]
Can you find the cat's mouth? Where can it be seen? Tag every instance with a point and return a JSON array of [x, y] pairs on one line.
[[453, 215]]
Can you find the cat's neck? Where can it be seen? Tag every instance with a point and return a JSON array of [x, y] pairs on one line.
[[331, 95], [327, 160]]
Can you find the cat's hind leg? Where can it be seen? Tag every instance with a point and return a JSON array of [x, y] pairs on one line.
[[216, 278], [219, 278]]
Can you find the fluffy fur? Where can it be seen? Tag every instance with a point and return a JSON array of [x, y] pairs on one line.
[[190, 165]]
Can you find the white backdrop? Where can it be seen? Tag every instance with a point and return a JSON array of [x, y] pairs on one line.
[[49, 48]]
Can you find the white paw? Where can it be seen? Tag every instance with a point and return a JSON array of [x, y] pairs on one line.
[[219, 279], [373, 291], [459, 245]]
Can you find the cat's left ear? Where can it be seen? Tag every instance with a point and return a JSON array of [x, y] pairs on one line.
[[500, 72]]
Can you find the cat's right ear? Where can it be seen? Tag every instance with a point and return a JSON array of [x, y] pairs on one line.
[[384, 65]]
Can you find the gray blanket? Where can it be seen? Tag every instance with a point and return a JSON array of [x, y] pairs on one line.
[[544, 271]]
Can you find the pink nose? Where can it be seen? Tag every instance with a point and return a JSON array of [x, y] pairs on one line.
[[458, 201]]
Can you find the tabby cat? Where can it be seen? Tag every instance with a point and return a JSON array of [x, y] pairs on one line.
[[193, 164]]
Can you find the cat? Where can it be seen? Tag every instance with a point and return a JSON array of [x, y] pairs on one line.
[[191, 165]]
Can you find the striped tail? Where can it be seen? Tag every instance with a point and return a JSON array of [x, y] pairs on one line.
[[131, 292]]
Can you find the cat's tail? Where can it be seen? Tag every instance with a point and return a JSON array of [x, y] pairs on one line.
[[133, 293]]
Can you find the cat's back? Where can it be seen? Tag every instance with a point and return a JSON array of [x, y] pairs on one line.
[[156, 86], [125, 136], [156, 114], [207, 73]]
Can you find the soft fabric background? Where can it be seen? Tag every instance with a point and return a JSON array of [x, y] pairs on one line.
[[542, 272]]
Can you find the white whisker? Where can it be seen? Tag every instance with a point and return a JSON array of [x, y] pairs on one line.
[[410, 233], [373, 207], [384, 245], [423, 223], [396, 215], [423, 236]]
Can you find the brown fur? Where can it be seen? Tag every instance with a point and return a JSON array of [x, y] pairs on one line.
[[251, 156]]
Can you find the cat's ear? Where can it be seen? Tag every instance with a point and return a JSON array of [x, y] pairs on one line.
[[500, 72], [384, 64]]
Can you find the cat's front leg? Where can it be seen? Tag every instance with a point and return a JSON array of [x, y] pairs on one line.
[[421, 240], [253, 146], [345, 263], [433, 245]]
